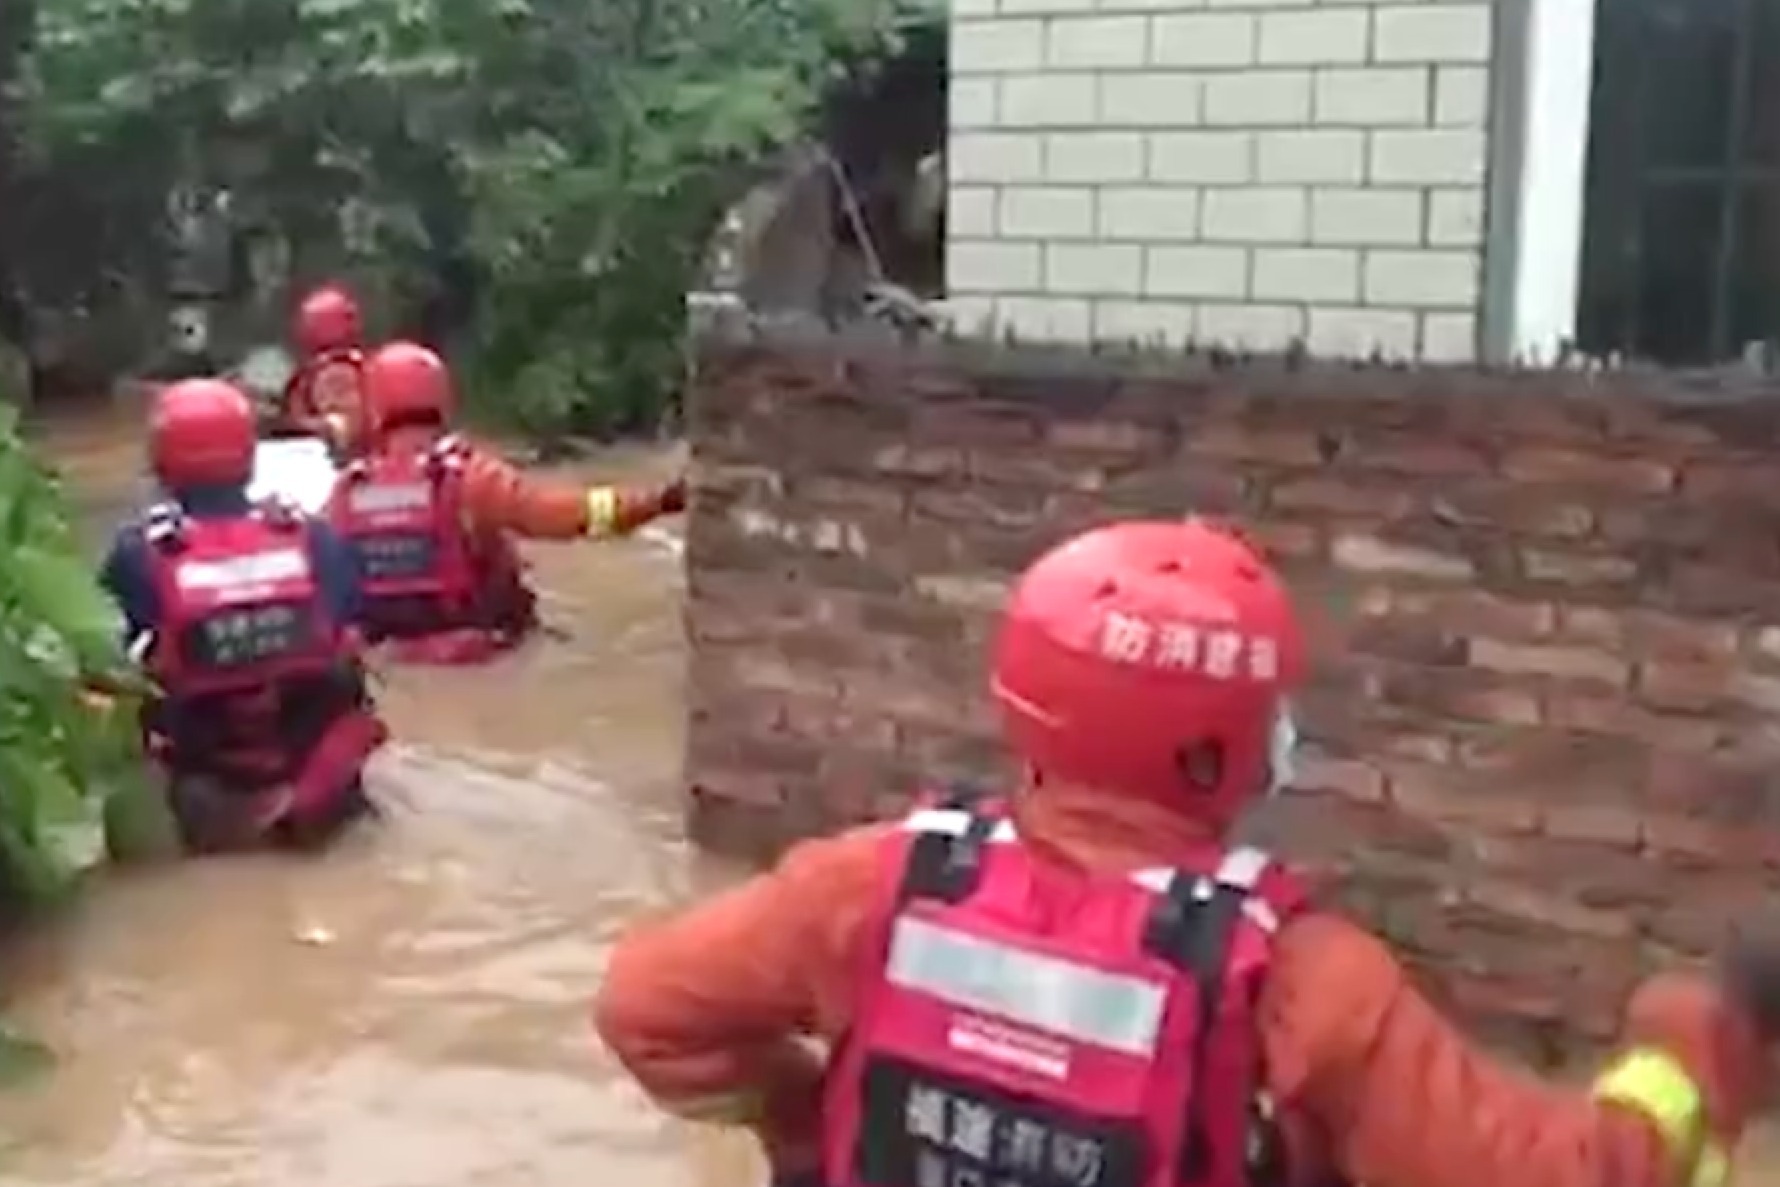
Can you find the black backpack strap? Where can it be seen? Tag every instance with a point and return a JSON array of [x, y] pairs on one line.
[[1193, 927], [945, 860]]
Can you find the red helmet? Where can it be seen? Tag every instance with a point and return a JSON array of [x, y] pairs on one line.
[[1152, 658], [201, 433], [406, 382], [328, 319]]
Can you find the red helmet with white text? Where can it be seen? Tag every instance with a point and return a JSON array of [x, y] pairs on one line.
[[1153, 659], [329, 319], [201, 433]]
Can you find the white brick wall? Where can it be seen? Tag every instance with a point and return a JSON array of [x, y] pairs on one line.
[[1245, 171]]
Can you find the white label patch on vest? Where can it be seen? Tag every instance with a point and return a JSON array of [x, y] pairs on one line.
[[1035, 1053], [1110, 1010], [240, 574], [377, 498]]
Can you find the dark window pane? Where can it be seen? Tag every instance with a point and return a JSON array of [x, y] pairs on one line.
[[1685, 133], [1761, 140], [1648, 273], [1676, 274], [1754, 313], [1613, 124], [1682, 79], [1610, 250]]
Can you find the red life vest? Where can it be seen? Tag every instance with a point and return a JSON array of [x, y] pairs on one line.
[[402, 515], [240, 604], [332, 382], [1027, 1024]]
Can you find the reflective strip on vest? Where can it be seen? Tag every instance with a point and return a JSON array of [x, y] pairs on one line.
[[372, 497], [1117, 1012], [1241, 869], [258, 568]]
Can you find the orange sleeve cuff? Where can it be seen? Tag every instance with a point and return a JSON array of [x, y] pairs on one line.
[[602, 512]]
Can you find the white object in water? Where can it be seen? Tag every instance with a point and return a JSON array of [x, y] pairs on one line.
[[299, 470], [665, 540], [316, 935]]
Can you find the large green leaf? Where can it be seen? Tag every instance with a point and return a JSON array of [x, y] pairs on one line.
[[56, 590], [61, 755]]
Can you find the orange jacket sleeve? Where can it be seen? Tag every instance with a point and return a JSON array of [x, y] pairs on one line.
[[501, 497], [702, 1007], [1398, 1098]]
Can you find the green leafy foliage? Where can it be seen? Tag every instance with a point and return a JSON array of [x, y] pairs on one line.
[[555, 165], [64, 752]]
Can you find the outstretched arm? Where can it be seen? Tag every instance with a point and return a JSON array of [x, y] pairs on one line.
[[1403, 1099], [500, 496]]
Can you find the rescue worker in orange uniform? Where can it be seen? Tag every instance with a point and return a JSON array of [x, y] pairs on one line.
[[324, 396], [242, 613], [432, 518], [1083, 984]]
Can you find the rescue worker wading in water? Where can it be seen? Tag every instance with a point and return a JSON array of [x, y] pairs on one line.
[[1081, 985], [324, 397], [241, 613], [431, 519]]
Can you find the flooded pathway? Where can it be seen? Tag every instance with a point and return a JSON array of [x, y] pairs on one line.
[[408, 1010]]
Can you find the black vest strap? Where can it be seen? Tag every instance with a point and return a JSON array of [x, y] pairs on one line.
[[1192, 928], [946, 867]]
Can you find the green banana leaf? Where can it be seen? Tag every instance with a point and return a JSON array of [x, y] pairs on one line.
[[69, 764]]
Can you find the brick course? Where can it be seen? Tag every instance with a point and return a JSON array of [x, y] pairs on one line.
[[1261, 126], [1546, 609]]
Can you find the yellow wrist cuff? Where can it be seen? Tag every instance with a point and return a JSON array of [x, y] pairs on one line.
[[602, 511], [1653, 1083]]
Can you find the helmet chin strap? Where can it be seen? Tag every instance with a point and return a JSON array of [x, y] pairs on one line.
[[1282, 751]]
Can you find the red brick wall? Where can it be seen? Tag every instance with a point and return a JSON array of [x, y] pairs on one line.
[[1540, 601]]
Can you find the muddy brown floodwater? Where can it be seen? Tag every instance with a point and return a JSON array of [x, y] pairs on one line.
[[409, 1009]]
